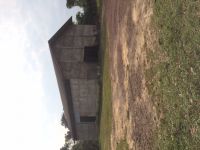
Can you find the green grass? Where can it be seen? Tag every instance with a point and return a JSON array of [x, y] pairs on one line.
[[122, 145], [106, 105], [98, 5], [174, 76], [106, 110]]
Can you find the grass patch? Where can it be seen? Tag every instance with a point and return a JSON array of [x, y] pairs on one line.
[[106, 108], [122, 145], [98, 5], [106, 105], [174, 76]]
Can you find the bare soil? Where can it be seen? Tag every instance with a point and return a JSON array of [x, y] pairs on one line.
[[129, 39]]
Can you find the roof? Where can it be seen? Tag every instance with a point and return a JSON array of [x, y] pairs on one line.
[[64, 84], [60, 31]]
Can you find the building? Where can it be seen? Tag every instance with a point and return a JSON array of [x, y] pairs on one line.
[[74, 53]]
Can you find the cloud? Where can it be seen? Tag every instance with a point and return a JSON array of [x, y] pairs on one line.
[[30, 107]]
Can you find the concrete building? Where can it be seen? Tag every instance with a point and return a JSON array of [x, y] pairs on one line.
[[74, 53]]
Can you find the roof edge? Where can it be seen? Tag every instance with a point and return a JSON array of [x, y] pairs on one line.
[[67, 93], [60, 31]]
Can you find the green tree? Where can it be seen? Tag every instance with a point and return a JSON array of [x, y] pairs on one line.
[[80, 18], [86, 145], [68, 136], [69, 3], [65, 147], [64, 121], [89, 14], [68, 141], [72, 3]]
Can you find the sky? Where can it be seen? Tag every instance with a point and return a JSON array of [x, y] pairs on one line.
[[30, 105]]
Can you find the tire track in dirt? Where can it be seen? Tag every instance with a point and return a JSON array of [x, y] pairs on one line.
[[128, 28]]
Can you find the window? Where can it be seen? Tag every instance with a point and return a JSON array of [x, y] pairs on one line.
[[87, 118], [91, 54]]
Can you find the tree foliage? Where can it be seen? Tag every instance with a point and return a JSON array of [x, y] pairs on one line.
[[65, 147], [68, 136], [86, 145], [72, 3], [64, 121], [80, 145], [89, 14]]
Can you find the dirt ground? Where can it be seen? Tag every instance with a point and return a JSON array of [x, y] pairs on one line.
[[130, 37]]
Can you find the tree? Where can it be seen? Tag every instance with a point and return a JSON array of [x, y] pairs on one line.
[[86, 145], [65, 147], [68, 136], [68, 141], [64, 121], [72, 3], [89, 14], [80, 18]]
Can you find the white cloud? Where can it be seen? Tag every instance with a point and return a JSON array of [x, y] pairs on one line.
[[26, 120]]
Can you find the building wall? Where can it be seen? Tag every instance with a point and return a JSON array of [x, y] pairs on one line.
[[87, 131], [81, 30], [69, 53], [78, 70], [85, 94], [78, 36]]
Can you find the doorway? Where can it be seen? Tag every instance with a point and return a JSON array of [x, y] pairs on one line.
[[87, 118], [91, 54]]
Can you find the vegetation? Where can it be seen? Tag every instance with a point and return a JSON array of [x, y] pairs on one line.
[[68, 138], [99, 6], [79, 145], [64, 121], [173, 79], [65, 147], [106, 105], [105, 110], [86, 145], [89, 14], [122, 145], [72, 3]]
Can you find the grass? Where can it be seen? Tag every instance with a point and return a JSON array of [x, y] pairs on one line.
[[122, 145], [174, 76], [106, 110], [106, 105], [98, 5]]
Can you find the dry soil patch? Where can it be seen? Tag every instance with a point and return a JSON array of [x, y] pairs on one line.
[[129, 34]]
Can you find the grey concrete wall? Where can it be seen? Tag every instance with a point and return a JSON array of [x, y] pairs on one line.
[[78, 36], [70, 48], [78, 70], [81, 30], [69, 53], [87, 131], [77, 41], [85, 95]]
